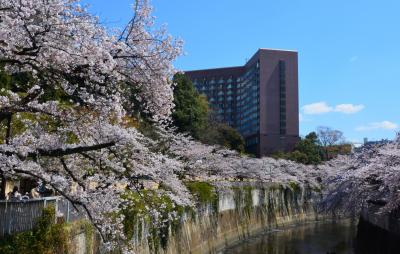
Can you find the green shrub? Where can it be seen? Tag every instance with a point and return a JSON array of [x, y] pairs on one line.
[[204, 192], [137, 215]]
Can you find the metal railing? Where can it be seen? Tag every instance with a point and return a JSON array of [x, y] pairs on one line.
[[19, 216], [68, 211]]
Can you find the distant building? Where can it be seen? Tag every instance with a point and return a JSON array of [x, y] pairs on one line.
[[259, 99], [376, 142], [356, 145]]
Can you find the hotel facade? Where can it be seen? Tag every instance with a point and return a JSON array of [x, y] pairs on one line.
[[259, 99]]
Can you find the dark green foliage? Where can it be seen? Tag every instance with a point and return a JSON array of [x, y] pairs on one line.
[[21, 82], [204, 192], [191, 108], [294, 186], [137, 213], [298, 157], [46, 238], [17, 83], [222, 134], [310, 151], [307, 151]]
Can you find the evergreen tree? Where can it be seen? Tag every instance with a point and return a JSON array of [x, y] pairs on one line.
[[192, 115], [191, 108], [223, 134], [309, 148], [307, 151]]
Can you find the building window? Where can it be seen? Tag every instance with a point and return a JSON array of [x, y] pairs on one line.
[[282, 96]]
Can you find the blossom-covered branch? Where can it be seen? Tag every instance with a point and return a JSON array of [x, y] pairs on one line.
[[68, 91]]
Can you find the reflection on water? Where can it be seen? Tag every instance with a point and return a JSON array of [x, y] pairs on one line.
[[312, 238], [374, 240]]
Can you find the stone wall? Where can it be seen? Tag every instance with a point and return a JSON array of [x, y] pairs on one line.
[[246, 209], [377, 232], [242, 211], [386, 221]]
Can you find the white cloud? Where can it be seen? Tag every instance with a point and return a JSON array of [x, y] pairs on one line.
[[317, 108], [323, 107], [349, 108], [384, 125]]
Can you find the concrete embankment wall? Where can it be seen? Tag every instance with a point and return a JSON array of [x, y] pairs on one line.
[[389, 222], [239, 212], [378, 232], [242, 211]]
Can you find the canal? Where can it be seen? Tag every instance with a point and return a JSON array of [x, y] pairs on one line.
[[312, 238]]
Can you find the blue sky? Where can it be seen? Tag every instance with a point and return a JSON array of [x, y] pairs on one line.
[[349, 51]]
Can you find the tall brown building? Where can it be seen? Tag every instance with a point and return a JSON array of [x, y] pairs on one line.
[[259, 99]]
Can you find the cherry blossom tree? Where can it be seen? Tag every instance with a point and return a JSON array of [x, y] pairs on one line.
[[214, 163], [371, 176], [348, 183], [71, 93], [68, 92]]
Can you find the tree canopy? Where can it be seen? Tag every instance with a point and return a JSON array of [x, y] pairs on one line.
[[224, 135], [191, 109], [316, 147], [328, 138], [69, 89], [309, 147], [306, 151]]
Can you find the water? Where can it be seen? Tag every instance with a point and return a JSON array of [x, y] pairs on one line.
[[312, 238]]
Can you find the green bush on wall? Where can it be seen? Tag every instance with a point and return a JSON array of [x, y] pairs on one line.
[[137, 215], [204, 192]]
